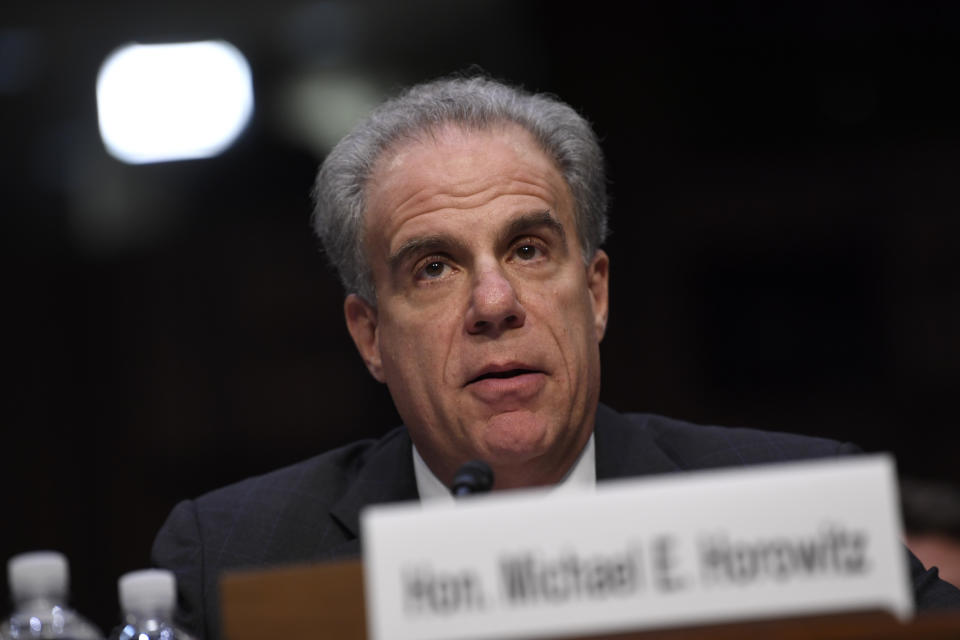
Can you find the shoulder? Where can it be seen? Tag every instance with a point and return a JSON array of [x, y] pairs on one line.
[[281, 517], [695, 446], [297, 500], [286, 515], [321, 479]]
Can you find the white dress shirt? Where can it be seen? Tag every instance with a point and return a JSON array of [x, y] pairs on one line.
[[582, 476]]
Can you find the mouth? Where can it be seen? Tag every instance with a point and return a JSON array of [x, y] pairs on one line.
[[507, 373], [510, 385]]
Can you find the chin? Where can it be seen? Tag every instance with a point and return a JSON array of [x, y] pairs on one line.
[[516, 436]]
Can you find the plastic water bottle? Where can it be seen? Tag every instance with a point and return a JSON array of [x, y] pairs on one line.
[[148, 598], [39, 584]]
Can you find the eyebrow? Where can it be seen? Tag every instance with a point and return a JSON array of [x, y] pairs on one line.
[[530, 221], [441, 243]]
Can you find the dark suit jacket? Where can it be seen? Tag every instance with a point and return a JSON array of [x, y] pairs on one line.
[[310, 511]]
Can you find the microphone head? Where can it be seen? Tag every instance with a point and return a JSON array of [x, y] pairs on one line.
[[474, 476]]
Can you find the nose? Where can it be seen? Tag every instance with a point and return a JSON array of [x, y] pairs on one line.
[[494, 306]]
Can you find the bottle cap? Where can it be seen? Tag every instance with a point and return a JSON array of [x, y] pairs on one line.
[[38, 574], [148, 591]]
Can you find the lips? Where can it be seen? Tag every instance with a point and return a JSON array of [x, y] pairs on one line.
[[507, 373], [507, 387], [500, 372]]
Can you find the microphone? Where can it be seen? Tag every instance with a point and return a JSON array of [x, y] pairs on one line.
[[475, 476]]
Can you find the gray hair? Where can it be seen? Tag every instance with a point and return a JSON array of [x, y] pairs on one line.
[[474, 102]]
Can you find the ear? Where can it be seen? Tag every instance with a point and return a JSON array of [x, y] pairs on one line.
[[598, 281], [361, 320]]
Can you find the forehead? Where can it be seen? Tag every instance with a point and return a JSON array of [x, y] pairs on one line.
[[453, 169]]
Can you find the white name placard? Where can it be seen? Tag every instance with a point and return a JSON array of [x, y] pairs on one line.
[[685, 549]]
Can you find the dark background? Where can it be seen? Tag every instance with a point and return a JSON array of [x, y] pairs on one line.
[[784, 249]]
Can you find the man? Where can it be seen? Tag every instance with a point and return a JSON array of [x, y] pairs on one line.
[[465, 219]]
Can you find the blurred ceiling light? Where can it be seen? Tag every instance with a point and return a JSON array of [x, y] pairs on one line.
[[176, 101]]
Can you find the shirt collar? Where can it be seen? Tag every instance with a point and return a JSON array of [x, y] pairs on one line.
[[583, 475]]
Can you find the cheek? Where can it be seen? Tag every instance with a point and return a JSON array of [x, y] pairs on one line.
[[569, 314], [570, 310], [415, 350]]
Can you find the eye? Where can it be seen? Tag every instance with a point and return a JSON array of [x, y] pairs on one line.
[[432, 270], [528, 250]]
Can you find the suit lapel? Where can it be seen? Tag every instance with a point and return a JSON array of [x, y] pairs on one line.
[[626, 447], [386, 476]]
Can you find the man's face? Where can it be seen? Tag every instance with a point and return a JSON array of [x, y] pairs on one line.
[[488, 322]]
